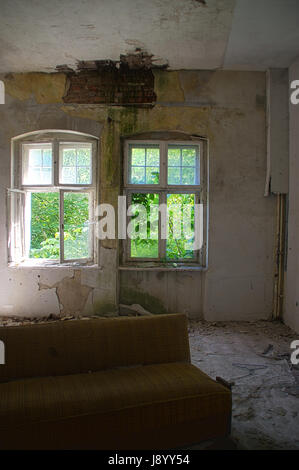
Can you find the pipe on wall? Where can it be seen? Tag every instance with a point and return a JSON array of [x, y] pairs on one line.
[[280, 256]]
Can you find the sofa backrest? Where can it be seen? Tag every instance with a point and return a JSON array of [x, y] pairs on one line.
[[74, 346]]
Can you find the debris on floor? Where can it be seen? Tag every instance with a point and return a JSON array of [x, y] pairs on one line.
[[18, 321], [256, 357], [135, 309]]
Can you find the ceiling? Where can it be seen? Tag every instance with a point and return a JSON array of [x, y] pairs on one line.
[[38, 35]]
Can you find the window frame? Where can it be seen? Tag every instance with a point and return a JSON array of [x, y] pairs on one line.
[[128, 166], [200, 191], [55, 138], [25, 153], [59, 164]]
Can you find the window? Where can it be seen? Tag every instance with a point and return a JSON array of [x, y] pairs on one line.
[[53, 197], [165, 185]]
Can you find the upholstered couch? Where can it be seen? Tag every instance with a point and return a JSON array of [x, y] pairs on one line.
[[120, 383]]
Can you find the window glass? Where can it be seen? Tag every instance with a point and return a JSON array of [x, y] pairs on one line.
[[183, 165], [144, 225], [75, 163], [76, 225], [37, 164], [144, 164], [43, 217], [177, 190], [52, 222], [180, 230]]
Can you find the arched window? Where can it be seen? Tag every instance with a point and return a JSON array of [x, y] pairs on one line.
[[52, 198], [165, 184]]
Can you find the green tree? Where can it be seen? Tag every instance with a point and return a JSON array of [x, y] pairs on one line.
[[177, 247], [45, 234]]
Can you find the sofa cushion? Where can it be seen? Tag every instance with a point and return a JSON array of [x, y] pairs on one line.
[[80, 346], [174, 392]]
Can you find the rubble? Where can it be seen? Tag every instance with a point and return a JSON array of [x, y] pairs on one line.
[[256, 357]]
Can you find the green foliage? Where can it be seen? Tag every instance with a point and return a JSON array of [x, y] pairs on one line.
[[76, 230], [145, 247], [45, 236], [178, 244], [44, 225]]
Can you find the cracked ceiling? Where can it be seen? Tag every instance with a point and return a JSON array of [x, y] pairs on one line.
[[183, 34]]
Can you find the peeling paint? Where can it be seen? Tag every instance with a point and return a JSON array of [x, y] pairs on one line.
[[45, 87], [72, 295], [168, 86], [224, 106]]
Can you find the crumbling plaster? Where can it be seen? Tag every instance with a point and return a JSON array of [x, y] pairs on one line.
[[226, 107], [72, 293]]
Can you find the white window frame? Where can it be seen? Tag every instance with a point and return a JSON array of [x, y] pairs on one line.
[[19, 240], [200, 190]]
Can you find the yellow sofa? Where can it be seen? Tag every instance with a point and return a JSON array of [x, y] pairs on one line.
[[120, 383]]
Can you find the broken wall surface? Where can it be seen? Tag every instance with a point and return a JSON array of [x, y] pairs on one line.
[[291, 308], [228, 108]]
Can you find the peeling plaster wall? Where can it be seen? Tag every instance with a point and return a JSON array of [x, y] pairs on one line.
[[291, 310], [34, 102], [226, 107]]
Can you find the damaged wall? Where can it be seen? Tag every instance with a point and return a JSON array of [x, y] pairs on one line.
[[107, 82], [226, 107]]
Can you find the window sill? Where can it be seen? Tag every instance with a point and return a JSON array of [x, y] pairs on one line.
[[170, 268], [31, 264]]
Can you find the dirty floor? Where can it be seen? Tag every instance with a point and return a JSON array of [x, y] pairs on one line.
[[256, 357]]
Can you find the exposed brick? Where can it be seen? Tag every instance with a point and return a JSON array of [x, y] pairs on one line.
[[111, 85]]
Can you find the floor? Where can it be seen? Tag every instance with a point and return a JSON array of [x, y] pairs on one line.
[[256, 357]]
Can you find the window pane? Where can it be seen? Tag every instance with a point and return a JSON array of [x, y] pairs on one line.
[[144, 226], [83, 175], [183, 165], [138, 175], [69, 157], [152, 175], [38, 175], [35, 157], [76, 225], [37, 164], [69, 175], [180, 236], [76, 164], [47, 158], [84, 157], [138, 156], [188, 157], [144, 164], [44, 223], [174, 176], [188, 175], [45, 175], [174, 157], [152, 157]]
